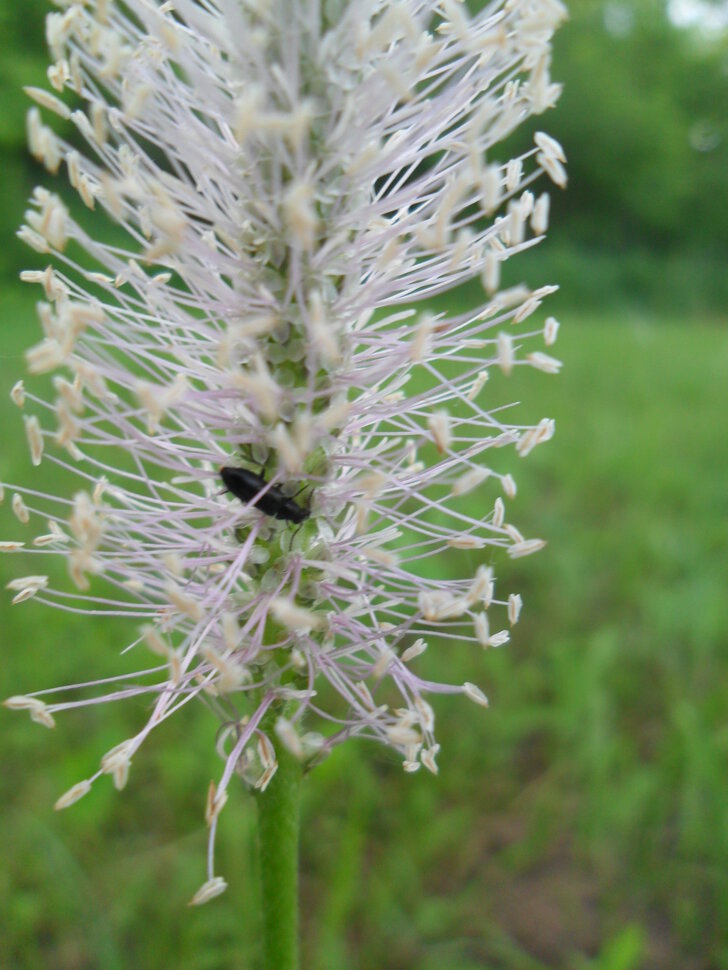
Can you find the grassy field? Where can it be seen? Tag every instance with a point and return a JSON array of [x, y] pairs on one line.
[[581, 822]]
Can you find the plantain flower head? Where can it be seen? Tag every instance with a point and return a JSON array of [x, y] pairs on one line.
[[270, 431]]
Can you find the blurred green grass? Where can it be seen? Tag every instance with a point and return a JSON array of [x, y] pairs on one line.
[[581, 822]]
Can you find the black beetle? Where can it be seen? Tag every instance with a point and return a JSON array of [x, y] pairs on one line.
[[245, 485]]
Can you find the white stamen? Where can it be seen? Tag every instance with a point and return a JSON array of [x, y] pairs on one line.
[[289, 738], [469, 480], [208, 890], [35, 438], [550, 331], [20, 510], [418, 647], [541, 361], [183, 602], [439, 425], [293, 617], [515, 603], [525, 548], [37, 709], [505, 352], [509, 485], [73, 794], [549, 146], [475, 694]]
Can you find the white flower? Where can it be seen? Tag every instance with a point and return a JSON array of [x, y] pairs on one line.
[[286, 180]]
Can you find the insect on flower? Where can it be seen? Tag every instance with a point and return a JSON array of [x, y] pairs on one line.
[[246, 485]]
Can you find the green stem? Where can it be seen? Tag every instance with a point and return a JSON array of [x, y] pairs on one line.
[[278, 826]]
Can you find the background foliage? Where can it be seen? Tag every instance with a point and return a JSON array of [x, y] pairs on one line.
[[583, 821]]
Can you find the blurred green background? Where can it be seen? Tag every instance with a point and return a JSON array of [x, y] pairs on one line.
[[582, 822]]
